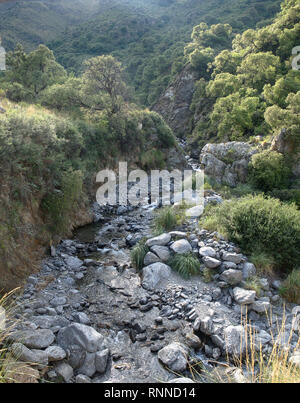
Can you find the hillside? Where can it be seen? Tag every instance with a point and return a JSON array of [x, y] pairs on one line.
[[147, 36]]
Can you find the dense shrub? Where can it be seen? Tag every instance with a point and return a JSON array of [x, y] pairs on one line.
[[268, 171], [262, 224]]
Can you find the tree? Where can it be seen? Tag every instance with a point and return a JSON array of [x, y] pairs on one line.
[[258, 69], [224, 84], [103, 86], [32, 73], [233, 116]]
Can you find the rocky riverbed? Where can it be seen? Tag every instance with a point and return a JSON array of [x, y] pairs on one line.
[[89, 317]]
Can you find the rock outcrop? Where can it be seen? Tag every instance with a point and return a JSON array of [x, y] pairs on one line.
[[227, 163], [174, 104]]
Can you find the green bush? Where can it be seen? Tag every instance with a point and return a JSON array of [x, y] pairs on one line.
[[186, 265], [287, 195], [262, 224], [290, 289], [263, 262], [268, 171]]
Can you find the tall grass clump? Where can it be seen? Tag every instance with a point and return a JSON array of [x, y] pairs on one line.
[[186, 265], [166, 220], [259, 223], [138, 254]]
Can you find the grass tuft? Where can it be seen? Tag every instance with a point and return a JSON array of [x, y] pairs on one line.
[[138, 254], [186, 265]]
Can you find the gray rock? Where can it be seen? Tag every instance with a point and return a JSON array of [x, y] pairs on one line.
[[22, 353], [162, 252], [88, 368], [55, 353], [73, 262], [37, 339], [244, 297], [211, 262], [150, 258], [249, 270], [232, 277], [174, 356], [82, 317], [160, 240], [81, 335], [181, 246], [154, 274], [228, 265], [48, 322], [57, 301], [232, 257], [260, 306], [235, 340], [101, 361], [181, 380], [207, 251], [64, 370], [82, 379]]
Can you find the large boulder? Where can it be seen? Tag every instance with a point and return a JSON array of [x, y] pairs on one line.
[[162, 252], [160, 240], [154, 274], [227, 163], [81, 335], [181, 246], [232, 277], [174, 357], [244, 297]]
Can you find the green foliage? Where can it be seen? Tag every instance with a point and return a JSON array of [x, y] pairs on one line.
[[246, 80], [263, 262], [268, 171], [138, 254], [234, 115], [287, 195], [290, 288], [103, 87], [186, 265], [30, 74], [59, 204], [260, 224], [166, 220], [62, 96], [286, 119], [149, 37]]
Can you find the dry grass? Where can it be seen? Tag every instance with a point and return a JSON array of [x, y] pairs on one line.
[[272, 367], [11, 370]]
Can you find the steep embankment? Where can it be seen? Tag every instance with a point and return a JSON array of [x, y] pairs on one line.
[[49, 163]]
